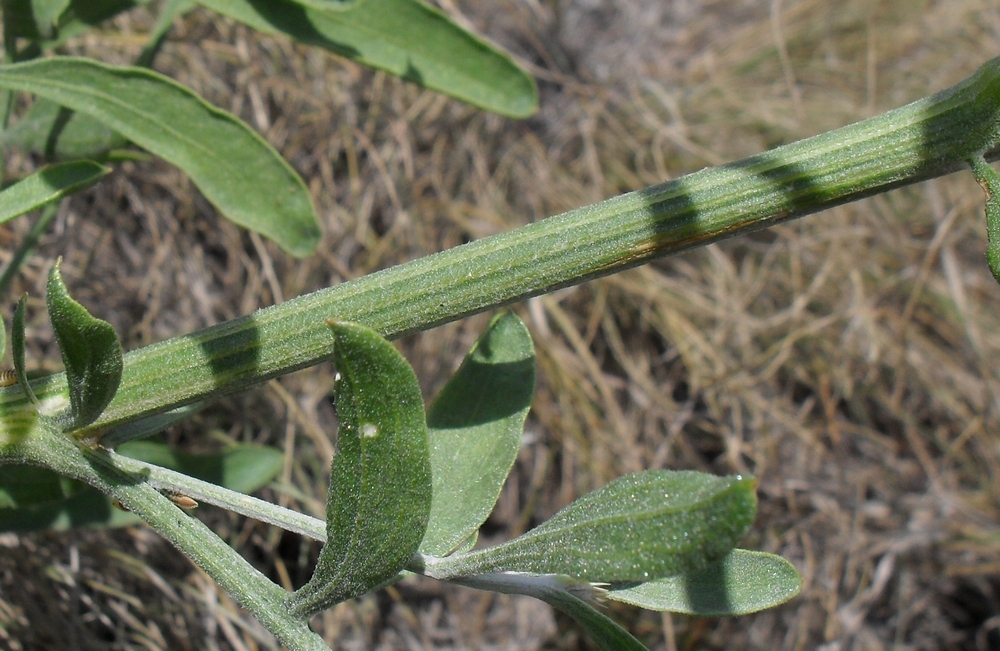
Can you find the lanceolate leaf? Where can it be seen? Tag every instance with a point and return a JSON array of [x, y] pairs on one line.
[[637, 528], [742, 582], [233, 166], [407, 38], [475, 426], [47, 185], [380, 488], [90, 350]]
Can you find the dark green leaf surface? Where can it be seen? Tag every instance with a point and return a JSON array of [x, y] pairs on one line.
[[233, 166], [90, 351], [48, 184], [407, 38], [17, 347], [475, 426], [86, 508], [742, 582], [639, 527], [242, 468], [22, 486], [380, 488], [59, 133], [34, 499]]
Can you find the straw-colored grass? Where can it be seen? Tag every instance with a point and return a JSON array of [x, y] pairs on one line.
[[846, 359]]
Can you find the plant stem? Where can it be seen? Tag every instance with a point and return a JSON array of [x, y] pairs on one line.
[[128, 483], [931, 137]]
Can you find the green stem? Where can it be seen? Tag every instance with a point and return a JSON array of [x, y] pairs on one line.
[[931, 137], [129, 484], [209, 493]]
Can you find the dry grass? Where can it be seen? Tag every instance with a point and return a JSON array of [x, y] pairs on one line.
[[845, 359]]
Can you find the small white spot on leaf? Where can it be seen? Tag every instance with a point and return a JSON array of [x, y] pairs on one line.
[[369, 431]]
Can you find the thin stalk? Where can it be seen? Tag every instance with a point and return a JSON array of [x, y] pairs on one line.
[[209, 493], [928, 138]]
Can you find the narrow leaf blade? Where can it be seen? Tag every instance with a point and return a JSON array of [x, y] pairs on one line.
[[406, 38], [380, 489], [639, 527], [17, 347], [48, 184], [743, 582], [474, 427], [90, 350], [233, 166]]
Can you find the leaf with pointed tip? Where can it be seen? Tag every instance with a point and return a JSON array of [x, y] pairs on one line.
[[90, 351], [407, 38], [639, 527], [17, 348], [743, 582], [47, 14], [474, 427], [48, 184], [380, 486], [230, 163]]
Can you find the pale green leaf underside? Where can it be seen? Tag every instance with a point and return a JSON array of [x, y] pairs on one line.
[[47, 185], [474, 427], [406, 38], [233, 166], [743, 582]]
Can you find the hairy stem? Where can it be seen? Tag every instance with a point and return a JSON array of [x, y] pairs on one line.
[[931, 137]]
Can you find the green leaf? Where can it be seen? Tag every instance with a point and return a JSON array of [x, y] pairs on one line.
[[45, 500], [59, 133], [639, 527], [48, 184], [90, 351], [243, 468], [47, 14], [87, 507], [605, 632], [406, 38], [573, 597], [79, 16], [380, 488], [742, 582], [17, 347], [233, 166], [474, 427], [22, 486]]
